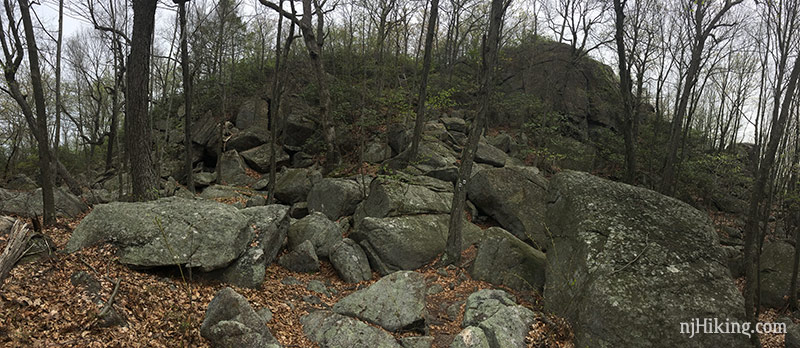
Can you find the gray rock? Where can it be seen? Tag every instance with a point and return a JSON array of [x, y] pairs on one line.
[[318, 287], [247, 139], [233, 170], [508, 327], [226, 192], [792, 338], [265, 314], [407, 242], [248, 270], [416, 342], [395, 302], [302, 160], [337, 197], [626, 260], [776, 273], [502, 141], [255, 201], [21, 182], [470, 337], [6, 222], [301, 259], [29, 204], [376, 152], [204, 179], [259, 157], [317, 228], [231, 322], [399, 137], [389, 198], [298, 129], [485, 303], [98, 196], [350, 261], [490, 155], [168, 231], [505, 260], [515, 198], [254, 113], [331, 330], [272, 225], [454, 124], [298, 210], [294, 184]]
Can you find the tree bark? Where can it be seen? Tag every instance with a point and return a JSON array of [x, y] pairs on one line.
[[490, 48], [138, 139], [423, 84], [756, 211], [187, 97], [40, 128], [274, 106]]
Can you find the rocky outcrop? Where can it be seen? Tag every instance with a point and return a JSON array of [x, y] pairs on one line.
[[505, 260], [254, 113], [395, 302], [626, 260], [230, 321], [293, 184], [329, 329], [515, 197], [169, 231]]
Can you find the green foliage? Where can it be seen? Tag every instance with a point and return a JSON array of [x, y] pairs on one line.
[[442, 100], [708, 174]]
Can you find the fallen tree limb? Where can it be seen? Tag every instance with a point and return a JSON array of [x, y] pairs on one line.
[[17, 242]]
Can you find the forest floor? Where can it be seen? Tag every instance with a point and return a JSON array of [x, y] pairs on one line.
[[40, 307]]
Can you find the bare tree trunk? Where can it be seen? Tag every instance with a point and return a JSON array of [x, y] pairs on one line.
[[187, 97], [490, 48], [274, 106], [423, 84], [756, 211], [57, 135], [625, 85], [40, 133], [138, 139]]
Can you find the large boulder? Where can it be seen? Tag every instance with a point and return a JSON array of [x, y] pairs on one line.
[[302, 259], [317, 228], [298, 129], [254, 113], [505, 260], [233, 170], [515, 197], [29, 204], [293, 184], [259, 158], [169, 231], [418, 195], [407, 242], [490, 155], [776, 273], [247, 139], [350, 261], [626, 260], [331, 330], [272, 225], [230, 321], [395, 302], [337, 197]]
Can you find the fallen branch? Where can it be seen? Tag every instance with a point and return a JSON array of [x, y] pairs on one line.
[[18, 240], [110, 302]]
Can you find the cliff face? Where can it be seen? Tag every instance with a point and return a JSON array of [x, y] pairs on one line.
[[583, 91]]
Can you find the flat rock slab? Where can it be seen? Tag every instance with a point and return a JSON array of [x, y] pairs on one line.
[[331, 330], [169, 231], [395, 302], [29, 204]]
